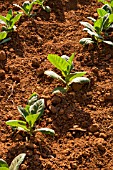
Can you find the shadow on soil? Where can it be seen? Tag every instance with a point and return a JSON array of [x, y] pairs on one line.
[[35, 151]]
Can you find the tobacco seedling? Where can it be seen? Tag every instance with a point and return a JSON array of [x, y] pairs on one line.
[[9, 21], [14, 164], [96, 30], [31, 113], [108, 6], [65, 65], [41, 3], [26, 7]]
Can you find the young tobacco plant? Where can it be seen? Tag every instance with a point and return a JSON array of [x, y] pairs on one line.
[[108, 6], [14, 164], [65, 65], [9, 21], [26, 7], [41, 3], [31, 113], [96, 30]]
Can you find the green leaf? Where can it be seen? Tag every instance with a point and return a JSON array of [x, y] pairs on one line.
[[33, 98], [81, 80], [15, 19], [59, 90], [98, 25], [92, 33], [53, 75], [17, 161], [59, 62], [22, 111], [3, 163], [101, 12], [17, 123], [5, 40], [108, 42], [88, 25], [3, 35], [110, 18], [37, 108], [31, 119], [2, 18], [47, 131], [4, 168], [9, 15], [107, 8], [70, 61], [85, 41], [71, 76]]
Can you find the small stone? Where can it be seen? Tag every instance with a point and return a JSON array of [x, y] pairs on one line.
[[73, 165], [61, 111], [35, 63], [2, 55], [95, 69], [23, 167], [2, 73], [40, 72], [56, 100], [95, 15], [53, 109], [94, 127], [103, 135], [100, 143], [11, 50], [16, 78]]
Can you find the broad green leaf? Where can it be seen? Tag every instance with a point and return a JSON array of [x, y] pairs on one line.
[[2, 18], [17, 161], [105, 23], [9, 15], [71, 76], [85, 41], [17, 123], [22, 111], [37, 108], [98, 25], [4, 168], [31, 119], [53, 75], [46, 131], [107, 8], [81, 80], [58, 62], [3, 163], [88, 25], [111, 4], [3, 35], [108, 42], [110, 18], [70, 61], [15, 19], [92, 19], [92, 33], [101, 12], [59, 90], [33, 98]]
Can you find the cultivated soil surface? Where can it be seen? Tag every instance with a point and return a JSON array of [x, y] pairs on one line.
[[83, 119]]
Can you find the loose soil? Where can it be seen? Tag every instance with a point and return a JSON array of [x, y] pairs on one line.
[[83, 119]]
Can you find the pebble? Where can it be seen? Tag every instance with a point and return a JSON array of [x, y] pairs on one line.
[[2, 55], [94, 127], [100, 143], [73, 165], [23, 167], [95, 69], [2, 73], [40, 72], [35, 63], [16, 78], [56, 100], [103, 135], [53, 109]]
